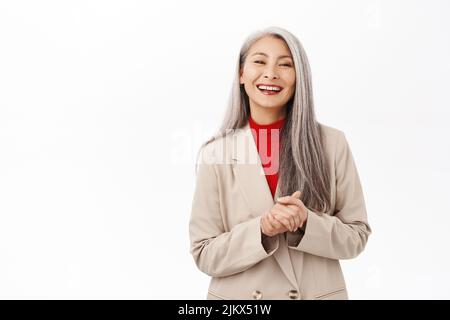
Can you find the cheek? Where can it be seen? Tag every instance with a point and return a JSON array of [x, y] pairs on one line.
[[291, 79], [292, 84], [250, 74], [291, 90]]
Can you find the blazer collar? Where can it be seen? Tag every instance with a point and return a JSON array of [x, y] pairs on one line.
[[249, 174], [247, 164]]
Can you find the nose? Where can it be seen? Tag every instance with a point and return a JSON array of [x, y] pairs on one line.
[[270, 72]]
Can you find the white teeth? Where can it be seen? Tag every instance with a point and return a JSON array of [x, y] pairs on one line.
[[269, 88]]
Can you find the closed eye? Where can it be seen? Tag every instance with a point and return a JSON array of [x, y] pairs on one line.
[[284, 64]]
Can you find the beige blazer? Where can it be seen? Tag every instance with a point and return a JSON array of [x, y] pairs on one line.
[[232, 193]]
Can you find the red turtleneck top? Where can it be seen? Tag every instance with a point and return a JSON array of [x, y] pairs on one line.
[[268, 145]]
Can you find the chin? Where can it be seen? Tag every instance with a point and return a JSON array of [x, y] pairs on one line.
[[272, 106]]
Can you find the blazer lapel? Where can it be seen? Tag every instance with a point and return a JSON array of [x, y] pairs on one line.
[[250, 175]]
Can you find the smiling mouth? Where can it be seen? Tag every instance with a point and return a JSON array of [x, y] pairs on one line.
[[269, 92]]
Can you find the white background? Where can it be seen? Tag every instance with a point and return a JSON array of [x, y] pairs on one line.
[[103, 105]]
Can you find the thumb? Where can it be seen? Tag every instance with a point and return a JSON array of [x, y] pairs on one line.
[[296, 194]]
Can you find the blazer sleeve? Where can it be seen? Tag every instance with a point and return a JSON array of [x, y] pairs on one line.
[[344, 234], [219, 252]]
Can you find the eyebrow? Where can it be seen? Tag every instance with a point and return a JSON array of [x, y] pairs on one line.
[[265, 54]]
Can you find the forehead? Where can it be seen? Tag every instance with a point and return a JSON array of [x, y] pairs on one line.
[[270, 46]]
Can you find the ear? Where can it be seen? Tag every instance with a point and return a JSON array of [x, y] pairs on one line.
[[241, 80]]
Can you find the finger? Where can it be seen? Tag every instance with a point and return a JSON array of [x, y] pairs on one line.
[[270, 223], [279, 225], [290, 209], [274, 222], [283, 218], [291, 215], [263, 224], [290, 200], [304, 218], [268, 226], [296, 194], [297, 216]]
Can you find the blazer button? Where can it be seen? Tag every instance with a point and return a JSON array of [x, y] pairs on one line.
[[293, 294], [257, 295]]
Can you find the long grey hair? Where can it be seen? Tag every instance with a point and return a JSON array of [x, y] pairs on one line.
[[303, 163]]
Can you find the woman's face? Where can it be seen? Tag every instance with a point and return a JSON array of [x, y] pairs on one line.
[[269, 62]]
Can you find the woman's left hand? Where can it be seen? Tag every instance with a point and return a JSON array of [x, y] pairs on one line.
[[294, 203]]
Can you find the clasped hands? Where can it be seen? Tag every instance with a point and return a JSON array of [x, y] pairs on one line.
[[288, 214]]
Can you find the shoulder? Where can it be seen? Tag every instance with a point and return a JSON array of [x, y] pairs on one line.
[[212, 152], [332, 137], [329, 131]]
